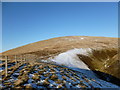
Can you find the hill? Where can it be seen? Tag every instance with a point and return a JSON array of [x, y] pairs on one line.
[[62, 44], [103, 56]]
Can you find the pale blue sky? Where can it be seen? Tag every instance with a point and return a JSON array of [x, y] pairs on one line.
[[24, 23]]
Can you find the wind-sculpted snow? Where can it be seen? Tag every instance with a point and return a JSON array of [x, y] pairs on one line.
[[71, 59]]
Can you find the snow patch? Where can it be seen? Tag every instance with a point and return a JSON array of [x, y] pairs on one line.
[[74, 39], [71, 59], [82, 38]]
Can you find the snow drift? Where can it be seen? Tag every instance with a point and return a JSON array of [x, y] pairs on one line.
[[71, 59]]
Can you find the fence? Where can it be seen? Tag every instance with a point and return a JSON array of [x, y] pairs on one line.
[[17, 59]]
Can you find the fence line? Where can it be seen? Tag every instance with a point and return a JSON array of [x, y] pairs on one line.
[[22, 60], [6, 65]]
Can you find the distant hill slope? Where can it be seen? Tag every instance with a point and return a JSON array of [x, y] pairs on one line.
[[104, 51], [62, 44]]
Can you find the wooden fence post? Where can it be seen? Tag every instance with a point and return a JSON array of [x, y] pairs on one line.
[[6, 65], [24, 59], [15, 59], [21, 59]]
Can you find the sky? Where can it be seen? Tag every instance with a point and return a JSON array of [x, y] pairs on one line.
[[28, 22]]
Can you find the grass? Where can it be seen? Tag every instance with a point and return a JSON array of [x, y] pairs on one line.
[[105, 60]]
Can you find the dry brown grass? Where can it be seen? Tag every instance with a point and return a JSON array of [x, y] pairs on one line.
[[62, 44], [104, 60]]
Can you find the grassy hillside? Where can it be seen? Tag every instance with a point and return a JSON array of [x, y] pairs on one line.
[[65, 43], [104, 56]]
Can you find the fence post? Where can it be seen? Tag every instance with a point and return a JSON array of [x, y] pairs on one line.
[[21, 59], [24, 59], [6, 65], [15, 59]]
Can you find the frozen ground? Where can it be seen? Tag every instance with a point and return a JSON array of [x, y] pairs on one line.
[[44, 75]]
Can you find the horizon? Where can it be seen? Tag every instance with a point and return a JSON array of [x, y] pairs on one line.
[[55, 37], [25, 23]]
